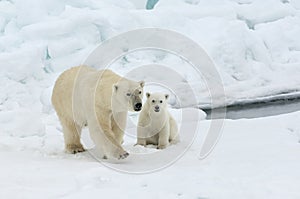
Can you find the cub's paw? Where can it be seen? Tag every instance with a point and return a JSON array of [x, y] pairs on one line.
[[74, 148], [175, 141], [144, 145], [161, 146]]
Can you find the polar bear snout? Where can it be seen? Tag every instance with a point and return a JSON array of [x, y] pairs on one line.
[[138, 106], [156, 108]]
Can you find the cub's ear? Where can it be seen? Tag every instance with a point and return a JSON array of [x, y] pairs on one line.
[[147, 95], [142, 83], [115, 87], [166, 96]]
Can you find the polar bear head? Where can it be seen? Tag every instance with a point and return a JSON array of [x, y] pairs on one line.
[[128, 95], [157, 101]]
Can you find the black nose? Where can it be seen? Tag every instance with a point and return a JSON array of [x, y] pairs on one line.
[[138, 105], [156, 107]]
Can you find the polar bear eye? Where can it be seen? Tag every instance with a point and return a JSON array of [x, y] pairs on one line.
[[140, 92], [153, 101], [160, 101], [128, 94]]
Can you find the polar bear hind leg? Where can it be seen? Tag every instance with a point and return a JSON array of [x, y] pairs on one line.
[[72, 133], [174, 136], [163, 140]]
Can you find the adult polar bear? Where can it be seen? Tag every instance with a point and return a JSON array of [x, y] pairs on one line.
[[83, 96]]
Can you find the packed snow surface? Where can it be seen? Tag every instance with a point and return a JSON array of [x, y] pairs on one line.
[[254, 158]]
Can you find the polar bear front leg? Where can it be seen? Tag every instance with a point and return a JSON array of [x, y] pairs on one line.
[[141, 136], [112, 146], [105, 141], [118, 125], [163, 137]]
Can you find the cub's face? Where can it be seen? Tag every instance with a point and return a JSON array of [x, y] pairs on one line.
[[157, 102], [129, 94]]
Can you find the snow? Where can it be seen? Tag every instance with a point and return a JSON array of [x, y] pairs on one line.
[[255, 46], [254, 159], [255, 49]]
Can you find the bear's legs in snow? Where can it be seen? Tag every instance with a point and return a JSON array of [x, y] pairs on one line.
[[141, 141], [174, 136], [72, 133], [103, 136], [163, 140], [118, 125]]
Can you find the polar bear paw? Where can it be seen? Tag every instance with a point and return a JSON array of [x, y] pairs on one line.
[[118, 153], [74, 148], [123, 155], [161, 146]]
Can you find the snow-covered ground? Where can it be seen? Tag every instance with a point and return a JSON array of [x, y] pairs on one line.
[[255, 46], [255, 158]]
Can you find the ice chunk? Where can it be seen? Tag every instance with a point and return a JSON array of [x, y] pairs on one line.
[[150, 4]]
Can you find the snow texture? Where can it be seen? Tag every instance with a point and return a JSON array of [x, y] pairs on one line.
[[254, 44]]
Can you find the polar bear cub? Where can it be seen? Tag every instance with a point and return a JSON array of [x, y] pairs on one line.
[[156, 125]]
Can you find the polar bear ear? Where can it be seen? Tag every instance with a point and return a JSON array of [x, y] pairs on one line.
[[115, 87], [142, 83], [166, 96], [147, 95]]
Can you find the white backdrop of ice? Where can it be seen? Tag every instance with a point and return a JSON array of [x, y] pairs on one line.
[[254, 48]]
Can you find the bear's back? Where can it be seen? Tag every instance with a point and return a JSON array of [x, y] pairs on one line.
[[62, 96]]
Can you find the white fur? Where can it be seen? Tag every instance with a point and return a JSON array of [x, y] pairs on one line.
[[158, 128], [83, 96]]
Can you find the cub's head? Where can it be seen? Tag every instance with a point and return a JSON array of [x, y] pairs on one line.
[[128, 94], [157, 102]]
